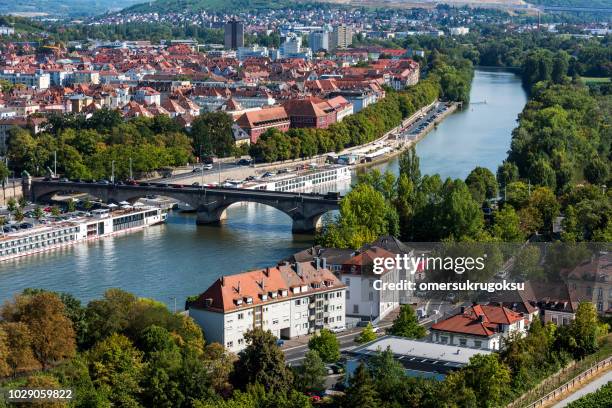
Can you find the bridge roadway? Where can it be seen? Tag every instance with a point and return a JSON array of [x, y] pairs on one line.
[[210, 204]]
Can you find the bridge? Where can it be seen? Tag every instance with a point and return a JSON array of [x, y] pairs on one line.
[[210, 204]]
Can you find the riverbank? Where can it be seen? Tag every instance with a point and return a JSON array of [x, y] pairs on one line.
[[401, 147], [187, 176]]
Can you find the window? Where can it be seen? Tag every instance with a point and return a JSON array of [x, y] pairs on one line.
[[240, 341], [565, 321], [230, 344], [371, 296], [240, 316], [348, 294], [275, 321], [443, 339], [462, 342], [297, 302], [339, 294], [355, 308], [477, 343], [347, 281], [554, 319]]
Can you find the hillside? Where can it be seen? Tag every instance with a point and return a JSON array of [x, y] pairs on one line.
[[573, 3], [165, 6], [63, 8]]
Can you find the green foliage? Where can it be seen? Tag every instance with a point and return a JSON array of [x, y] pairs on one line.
[[599, 398], [364, 216], [482, 184], [366, 335], [310, 376], [361, 391], [580, 337], [87, 147], [507, 225], [326, 345], [486, 377], [212, 134], [407, 325], [116, 368], [263, 362]]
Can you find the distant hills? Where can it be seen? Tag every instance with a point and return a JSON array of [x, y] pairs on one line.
[[573, 3], [165, 6], [63, 8]]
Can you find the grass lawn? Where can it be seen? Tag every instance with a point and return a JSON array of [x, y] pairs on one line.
[[595, 80]]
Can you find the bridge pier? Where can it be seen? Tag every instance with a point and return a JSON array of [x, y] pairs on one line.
[[207, 217], [306, 225]]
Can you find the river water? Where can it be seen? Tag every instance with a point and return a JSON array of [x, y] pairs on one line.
[[178, 259]]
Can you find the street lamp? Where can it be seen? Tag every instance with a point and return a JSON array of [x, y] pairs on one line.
[[112, 171]]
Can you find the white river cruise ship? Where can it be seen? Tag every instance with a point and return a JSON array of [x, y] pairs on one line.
[[100, 223], [303, 179]]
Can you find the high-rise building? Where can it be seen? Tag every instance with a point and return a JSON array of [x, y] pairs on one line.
[[341, 37], [234, 34], [319, 40]]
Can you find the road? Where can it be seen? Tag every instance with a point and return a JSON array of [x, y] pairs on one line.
[[294, 355], [587, 389]]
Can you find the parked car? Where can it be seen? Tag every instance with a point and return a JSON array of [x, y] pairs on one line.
[[267, 174], [244, 162], [208, 166]]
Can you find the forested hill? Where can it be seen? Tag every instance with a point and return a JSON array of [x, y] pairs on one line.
[[63, 8], [573, 3], [168, 6]]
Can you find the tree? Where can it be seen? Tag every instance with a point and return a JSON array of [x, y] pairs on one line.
[[5, 369], [55, 211], [19, 215], [482, 184], [367, 334], [45, 382], [361, 392], [116, 368], [583, 332], [212, 134], [52, 334], [11, 204], [486, 376], [20, 357], [407, 325], [263, 362], [507, 173], [310, 376], [38, 212], [545, 205], [387, 372], [365, 215], [326, 345], [507, 225], [596, 171]]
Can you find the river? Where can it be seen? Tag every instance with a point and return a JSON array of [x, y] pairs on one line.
[[178, 259]]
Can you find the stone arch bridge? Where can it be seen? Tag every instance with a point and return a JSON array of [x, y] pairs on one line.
[[210, 204]]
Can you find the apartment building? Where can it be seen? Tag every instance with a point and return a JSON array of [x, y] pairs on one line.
[[290, 300], [35, 80], [342, 37]]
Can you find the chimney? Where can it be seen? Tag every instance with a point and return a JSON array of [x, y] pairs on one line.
[[238, 289], [324, 263], [480, 318], [222, 281], [462, 309], [318, 263], [267, 271], [298, 269]]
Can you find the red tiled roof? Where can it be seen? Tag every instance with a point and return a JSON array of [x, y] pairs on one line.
[[231, 292], [479, 320]]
